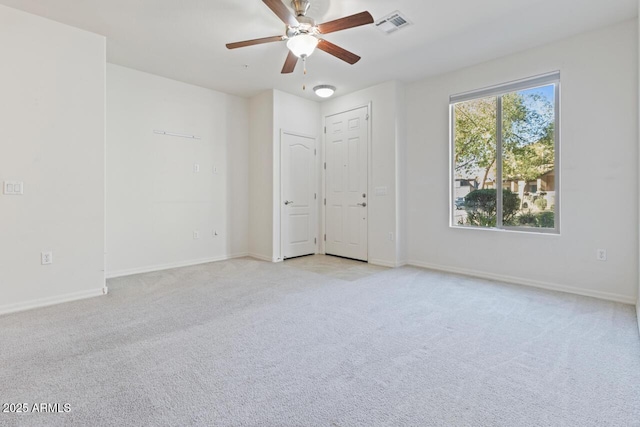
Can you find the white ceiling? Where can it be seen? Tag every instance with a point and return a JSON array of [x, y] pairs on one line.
[[184, 39]]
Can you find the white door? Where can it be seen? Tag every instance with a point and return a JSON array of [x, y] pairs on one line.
[[346, 143], [298, 209]]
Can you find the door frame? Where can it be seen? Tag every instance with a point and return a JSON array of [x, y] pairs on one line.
[[323, 210], [314, 208]]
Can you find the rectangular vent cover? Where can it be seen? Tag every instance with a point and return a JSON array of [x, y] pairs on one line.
[[392, 22]]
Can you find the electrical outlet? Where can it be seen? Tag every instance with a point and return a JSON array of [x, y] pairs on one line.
[[196, 168], [196, 235], [46, 258], [601, 254], [215, 169], [391, 237]]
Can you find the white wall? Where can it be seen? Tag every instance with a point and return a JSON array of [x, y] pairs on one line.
[[385, 142], [401, 177], [155, 199], [52, 81], [599, 171], [261, 176]]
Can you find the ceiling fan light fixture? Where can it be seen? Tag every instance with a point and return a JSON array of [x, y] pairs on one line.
[[302, 45], [324, 91]]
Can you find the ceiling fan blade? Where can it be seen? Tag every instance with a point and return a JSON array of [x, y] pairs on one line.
[[338, 52], [282, 11], [254, 42], [290, 63], [362, 18]]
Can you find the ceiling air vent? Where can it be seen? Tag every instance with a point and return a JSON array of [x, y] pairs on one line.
[[392, 22]]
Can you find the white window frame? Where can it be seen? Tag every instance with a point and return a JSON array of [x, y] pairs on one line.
[[498, 91]]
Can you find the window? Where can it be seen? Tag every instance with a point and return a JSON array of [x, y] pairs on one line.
[[505, 156]]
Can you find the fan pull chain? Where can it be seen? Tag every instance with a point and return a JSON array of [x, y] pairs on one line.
[[304, 75]]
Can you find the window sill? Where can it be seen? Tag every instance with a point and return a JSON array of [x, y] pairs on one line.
[[511, 230]]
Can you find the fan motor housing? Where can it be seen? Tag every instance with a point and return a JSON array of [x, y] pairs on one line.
[[307, 26]]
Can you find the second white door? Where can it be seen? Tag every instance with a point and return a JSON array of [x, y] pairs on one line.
[[346, 212], [298, 211]]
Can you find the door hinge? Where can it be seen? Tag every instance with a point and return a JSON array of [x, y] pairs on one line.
[[315, 196], [315, 152], [325, 237], [325, 202], [315, 241], [325, 129], [325, 165]]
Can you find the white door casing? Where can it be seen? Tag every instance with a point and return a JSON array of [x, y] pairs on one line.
[[346, 184], [298, 195]]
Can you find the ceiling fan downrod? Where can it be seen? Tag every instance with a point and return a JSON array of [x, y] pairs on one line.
[[300, 6]]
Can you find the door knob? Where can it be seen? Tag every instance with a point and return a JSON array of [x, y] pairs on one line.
[[362, 204], [288, 202]]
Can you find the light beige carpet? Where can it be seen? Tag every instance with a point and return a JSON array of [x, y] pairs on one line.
[[249, 343]]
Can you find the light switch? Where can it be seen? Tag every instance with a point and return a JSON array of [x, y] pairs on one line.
[[13, 188]]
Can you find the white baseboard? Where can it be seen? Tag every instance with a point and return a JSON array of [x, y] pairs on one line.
[[389, 264], [261, 257], [169, 266], [526, 282], [382, 263], [45, 302], [638, 313]]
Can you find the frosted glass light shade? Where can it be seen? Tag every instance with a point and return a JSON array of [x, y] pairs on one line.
[[324, 91], [302, 45]]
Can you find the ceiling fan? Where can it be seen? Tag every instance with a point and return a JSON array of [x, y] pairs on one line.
[[303, 35]]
